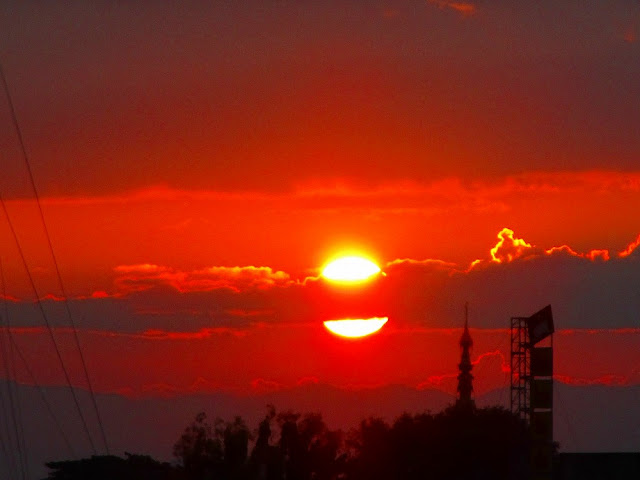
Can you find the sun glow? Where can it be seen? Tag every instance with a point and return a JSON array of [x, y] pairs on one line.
[[355, 328], [350, 269]]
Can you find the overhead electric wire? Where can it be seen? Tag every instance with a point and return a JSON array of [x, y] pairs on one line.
[[53, 256], [47, 324], [16, 417], [21, 438], [6, 441], [32, 377]]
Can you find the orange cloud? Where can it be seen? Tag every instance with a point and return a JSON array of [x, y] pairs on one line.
[[134, 278], [311, 380], [566, 249], [52, 297], [95, 295], [504, 365], [99, 294], [263, 386], [474, 193], [629, 36], [34, 330], [608, 380], [508, 247], [448, 379], [246, 313], [162, 390], [630, 248], [598, 254], [152, 334], [157, 334], [436, 381], [593, 255], [9, 298], [428, 262], [599, 331], [314, 213], [464, 8], [390, 13], [166, 390], [140, 268]]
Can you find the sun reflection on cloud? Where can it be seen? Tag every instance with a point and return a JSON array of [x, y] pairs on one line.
[[355, 328]]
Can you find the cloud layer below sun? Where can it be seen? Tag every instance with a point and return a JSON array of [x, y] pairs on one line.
[[155, 311]]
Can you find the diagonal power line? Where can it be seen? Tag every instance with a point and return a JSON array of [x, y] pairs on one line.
[[53, 257], [13, 346], [47, 324], [16, 418]]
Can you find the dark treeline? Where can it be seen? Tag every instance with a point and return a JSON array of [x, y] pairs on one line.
[[486, 443]]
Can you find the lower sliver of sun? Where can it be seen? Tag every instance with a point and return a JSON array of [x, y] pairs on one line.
[[355, 328]]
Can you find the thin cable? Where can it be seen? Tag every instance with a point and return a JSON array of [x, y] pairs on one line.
[[6, 441], [10, 374], [43, 396], [21, 439], [48, 325], [8, 458], [53, 256]]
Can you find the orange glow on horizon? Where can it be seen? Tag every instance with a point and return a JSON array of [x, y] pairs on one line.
[[355, 328], [350, 269]]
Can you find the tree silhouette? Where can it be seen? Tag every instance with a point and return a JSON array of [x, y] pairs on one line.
[[218, 451], [266, 460], [308, 447], [108, 467], [457, 443], [411, 448], [488, 443], [370, 451], [236, 444], [200, 448]]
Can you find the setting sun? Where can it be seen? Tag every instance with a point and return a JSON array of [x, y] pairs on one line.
[[208, 208], [355, 328], [350, 269]]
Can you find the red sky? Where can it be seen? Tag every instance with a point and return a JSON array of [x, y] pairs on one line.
[[198, 164]]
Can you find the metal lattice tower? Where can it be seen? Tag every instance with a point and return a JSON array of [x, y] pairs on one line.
[[532, 385], [520, 368]]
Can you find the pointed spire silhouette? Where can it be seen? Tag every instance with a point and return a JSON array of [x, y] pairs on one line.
[[465, 379]]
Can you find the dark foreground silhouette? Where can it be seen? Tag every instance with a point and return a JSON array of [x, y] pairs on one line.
[[486, 443]]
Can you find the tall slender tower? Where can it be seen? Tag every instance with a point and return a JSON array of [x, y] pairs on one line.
[[465, 379]]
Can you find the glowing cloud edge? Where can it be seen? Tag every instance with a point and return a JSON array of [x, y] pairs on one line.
[[355, 328]]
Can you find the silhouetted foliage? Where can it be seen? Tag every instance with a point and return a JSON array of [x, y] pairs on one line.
[[457, 443], [200, 448], [308, 447], [266, 461], [109, 467], [236, 445], [370, 450], [486, 443], [218, 451]]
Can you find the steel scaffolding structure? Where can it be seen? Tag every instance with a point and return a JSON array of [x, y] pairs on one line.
[[520, 368], [532, 385]]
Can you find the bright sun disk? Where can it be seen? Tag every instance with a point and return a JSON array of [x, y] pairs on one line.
[[350, 269]]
